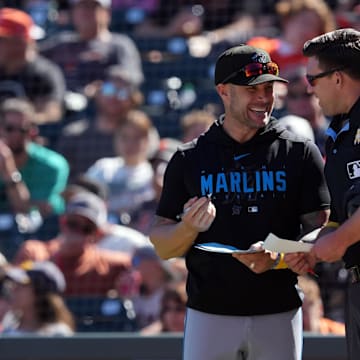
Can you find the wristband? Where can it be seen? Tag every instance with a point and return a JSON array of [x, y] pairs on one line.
[[332, 224], [279, 262]]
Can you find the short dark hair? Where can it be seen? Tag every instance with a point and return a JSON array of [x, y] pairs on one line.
[[336, 49]]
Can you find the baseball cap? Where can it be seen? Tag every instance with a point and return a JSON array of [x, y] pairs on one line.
[[45, 276], [16, 23], [246, 65], [103, 3], [88, 205]]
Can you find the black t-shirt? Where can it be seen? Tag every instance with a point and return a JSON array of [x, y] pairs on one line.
[[342, 169], [39, 78], [258, 187], [86, 61]]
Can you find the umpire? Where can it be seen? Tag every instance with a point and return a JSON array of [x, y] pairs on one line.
[[333, 73]]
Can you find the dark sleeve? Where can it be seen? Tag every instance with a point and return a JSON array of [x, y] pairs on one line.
[[128, 56], [314, 192], [174, 194], [52, 79]]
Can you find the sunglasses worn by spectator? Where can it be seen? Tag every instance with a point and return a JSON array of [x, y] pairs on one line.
[[255, 69], [76, 226], [10, 129], [311, 78], [109, 89]]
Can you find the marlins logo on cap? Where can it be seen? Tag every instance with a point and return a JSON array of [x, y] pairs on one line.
[[246, 65]]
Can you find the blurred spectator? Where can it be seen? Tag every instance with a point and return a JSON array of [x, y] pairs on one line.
[[172, 311], [85, 53], [24, 71], [299, 20], [194, 123], [88, 270], [145, 284], [110, 236], [188, 18], [34, 292], [147, 5], [298, 125], [128, 175], [300, 101], [84, 183], [85, 141], [313, 311], [143, 218], [347, 14], [32, 176]]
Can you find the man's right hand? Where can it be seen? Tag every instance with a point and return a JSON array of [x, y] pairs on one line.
[[199, 214]]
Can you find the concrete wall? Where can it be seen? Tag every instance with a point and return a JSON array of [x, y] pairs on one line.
[[122, 346]]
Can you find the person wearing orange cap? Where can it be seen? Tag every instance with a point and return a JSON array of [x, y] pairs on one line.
[[23, 72]]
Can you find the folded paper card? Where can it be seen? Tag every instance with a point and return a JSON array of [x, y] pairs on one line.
[[274, 243], [311, 236], [225, 249]]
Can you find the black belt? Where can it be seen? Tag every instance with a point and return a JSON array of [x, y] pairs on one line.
[[354, 272]]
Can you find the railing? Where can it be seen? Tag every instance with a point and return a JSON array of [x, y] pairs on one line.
[[129, 346]]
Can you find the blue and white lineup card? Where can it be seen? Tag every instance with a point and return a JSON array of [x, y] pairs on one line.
[[225, 249]]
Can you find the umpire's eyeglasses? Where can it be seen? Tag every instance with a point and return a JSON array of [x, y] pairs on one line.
[[311, 78]]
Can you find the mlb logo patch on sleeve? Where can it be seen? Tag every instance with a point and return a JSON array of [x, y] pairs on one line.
[[353, 169]]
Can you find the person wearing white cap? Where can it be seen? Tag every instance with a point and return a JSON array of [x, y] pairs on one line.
[[88, 269]]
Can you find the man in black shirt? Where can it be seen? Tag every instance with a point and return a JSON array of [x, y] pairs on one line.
[[25, 73], [245, 177], [333, 73]]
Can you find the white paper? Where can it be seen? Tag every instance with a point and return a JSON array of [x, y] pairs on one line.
[[311, 236], [274, 243], [224, 249]]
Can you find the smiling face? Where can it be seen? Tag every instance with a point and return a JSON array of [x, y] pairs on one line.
[[247, 108]]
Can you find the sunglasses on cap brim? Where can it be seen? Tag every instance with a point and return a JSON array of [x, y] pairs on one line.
[[255, 69]]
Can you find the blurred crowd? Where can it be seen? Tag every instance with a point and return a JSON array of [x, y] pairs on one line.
[[95, 98]]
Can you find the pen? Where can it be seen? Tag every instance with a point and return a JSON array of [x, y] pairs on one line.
[[312, 272], [179, 216]]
